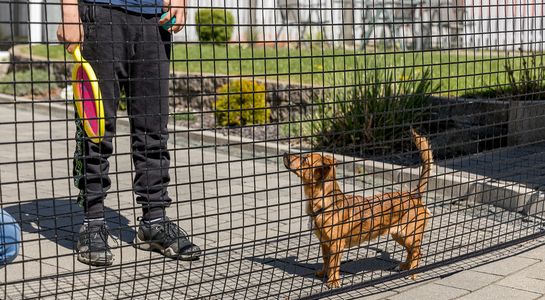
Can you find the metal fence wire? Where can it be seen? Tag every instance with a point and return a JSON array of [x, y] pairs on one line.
[[274, 135]]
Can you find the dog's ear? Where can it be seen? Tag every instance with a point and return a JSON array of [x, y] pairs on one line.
[[327, 169], [329, 160]]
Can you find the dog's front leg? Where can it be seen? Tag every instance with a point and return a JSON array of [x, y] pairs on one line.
[[334, 266], [325, 256]]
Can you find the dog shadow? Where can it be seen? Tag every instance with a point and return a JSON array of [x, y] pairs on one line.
[[290, 264], [59, 221]]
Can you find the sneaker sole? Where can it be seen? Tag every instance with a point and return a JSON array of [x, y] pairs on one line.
[[95, 263], [168, 252]]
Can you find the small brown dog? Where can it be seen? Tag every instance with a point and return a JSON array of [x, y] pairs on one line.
[[341, 220]]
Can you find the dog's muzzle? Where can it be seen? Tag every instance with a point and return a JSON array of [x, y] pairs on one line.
[[287, 161]]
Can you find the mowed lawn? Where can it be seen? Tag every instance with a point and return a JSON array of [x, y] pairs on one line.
[[457, 72]]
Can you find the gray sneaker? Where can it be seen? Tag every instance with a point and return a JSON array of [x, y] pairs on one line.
[[92, 247], [167, 238]]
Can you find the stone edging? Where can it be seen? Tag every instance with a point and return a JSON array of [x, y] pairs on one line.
[[452, 185], [196, 91]]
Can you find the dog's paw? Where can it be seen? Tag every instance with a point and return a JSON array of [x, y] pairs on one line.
[[320, 274], [403, 267], [333, 284]]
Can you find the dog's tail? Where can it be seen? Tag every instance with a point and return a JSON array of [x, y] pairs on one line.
[[427, 160]]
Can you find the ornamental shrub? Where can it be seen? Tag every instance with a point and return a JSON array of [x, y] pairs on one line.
[[214, 25], [375, 107], [241, 102]]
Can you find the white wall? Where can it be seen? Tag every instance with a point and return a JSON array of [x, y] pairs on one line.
[[499, 24], [506, 25], [496, 24]]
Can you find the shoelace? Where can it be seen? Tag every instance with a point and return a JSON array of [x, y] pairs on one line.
[[174, 232], [104, 233]]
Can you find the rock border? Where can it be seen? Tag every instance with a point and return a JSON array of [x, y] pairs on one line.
[[194, 91]]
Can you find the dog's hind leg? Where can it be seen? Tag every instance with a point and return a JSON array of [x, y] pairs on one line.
[[414, 239], [412, 243], [413, 251], [402, 241]]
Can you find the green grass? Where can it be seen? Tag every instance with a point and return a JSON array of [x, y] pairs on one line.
[[457, 73], [184, 117], [53, 52], [28, 82], [453, 72]]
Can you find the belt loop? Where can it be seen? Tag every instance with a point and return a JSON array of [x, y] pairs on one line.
[[93, 12]]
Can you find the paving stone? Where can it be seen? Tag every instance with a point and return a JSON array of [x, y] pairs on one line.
[[469, 280], [368, 293], [497, 292], [537, 253], [430, 291], [521, 281], [535, 271], [507, 266]]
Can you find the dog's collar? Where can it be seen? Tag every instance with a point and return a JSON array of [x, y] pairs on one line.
[[320, 211]]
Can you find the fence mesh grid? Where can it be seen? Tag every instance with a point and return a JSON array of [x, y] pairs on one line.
[[199, 121]]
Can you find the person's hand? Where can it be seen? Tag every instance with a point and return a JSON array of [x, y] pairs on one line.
[[70, 31], [175, 8]]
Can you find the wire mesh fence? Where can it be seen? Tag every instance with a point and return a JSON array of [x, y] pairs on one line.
[[276, 136]]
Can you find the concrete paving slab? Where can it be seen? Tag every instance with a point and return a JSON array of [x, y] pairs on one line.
[[536, 253], [367, 295], [469, 280], [497, 292], [523, 282], [430, 291], [507, 266]]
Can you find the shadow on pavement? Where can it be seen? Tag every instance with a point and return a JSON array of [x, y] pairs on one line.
[[59, 220], [291, 265]]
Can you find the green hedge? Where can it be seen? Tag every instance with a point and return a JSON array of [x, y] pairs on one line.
[[214, 25]]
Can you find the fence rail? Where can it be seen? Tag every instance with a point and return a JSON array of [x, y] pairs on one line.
[[199, 122]]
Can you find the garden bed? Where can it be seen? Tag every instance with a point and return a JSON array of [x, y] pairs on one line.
[[456, 125]]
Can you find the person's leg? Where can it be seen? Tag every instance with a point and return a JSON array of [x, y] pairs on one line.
[[103, 29], [148, 108], [101, 48]]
